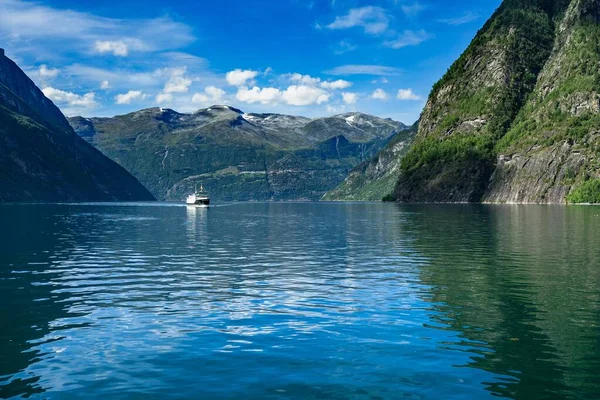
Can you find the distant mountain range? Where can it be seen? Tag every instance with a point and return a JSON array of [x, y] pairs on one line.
[[235, 155], [42, 159]]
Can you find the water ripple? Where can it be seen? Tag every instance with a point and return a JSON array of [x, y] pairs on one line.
[[299, 301]]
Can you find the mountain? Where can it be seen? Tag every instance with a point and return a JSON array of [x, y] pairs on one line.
[[375, 179], [235, 155], [516, 117], [42, 159], [550, 154]]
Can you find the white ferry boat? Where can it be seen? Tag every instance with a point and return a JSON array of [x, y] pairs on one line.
[[199, 198]]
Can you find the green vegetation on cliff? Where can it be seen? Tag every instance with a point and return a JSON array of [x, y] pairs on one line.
[[570, 110], [473, 105], [553, 143], [516, 117], [588, 192], [376, 178]]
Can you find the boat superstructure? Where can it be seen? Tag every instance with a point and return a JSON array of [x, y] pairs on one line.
[[199, 198]]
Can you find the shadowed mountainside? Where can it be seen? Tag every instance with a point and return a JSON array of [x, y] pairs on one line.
[[42, 159]]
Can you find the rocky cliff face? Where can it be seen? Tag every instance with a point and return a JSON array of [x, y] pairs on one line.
[[552, 146], [515, 119], [237, 156], [42, 159], [376, 178]]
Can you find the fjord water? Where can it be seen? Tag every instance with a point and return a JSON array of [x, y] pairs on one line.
[[308, 300]]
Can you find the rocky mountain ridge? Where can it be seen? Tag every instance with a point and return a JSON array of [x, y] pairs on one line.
[[237, 155]]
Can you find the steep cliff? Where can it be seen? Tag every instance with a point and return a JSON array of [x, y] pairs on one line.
[[235, 155], [494, 127], [550, 154], [42, 159]]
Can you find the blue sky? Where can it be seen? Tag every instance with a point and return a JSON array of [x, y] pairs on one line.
[[311, 58]]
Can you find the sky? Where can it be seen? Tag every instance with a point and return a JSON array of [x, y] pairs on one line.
[[312, 58]]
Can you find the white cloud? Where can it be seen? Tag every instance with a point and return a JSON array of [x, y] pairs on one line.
[[211, 94], [200, 98], [117, 48], [105, 85], [302, 95], [413, 9], [349, 98], [407, 94], [69, 98], [36, 25], [308, 80], [336, 85], [152, 81], [33, 30], [372, 19], [344, 46], [305, 90], [335, 109], [379, 94], [294, 95], [178, 82], [240, 77], [382, 80], [464, 19], [380, 70], [161, 68], [130, 96], [267, 95], [163, 98], [215, 93], [304, 79], [408, 38], [46, 72]]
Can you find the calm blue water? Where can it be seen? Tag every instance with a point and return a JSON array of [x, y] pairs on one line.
[[299, 301]]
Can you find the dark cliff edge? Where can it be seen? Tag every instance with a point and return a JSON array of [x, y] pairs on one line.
[[516, 118], [41, 157]]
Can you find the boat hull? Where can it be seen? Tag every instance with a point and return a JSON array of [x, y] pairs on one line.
[[199, 203]]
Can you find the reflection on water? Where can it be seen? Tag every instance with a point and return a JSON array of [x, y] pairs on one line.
[[524, 282], [300, 301]]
